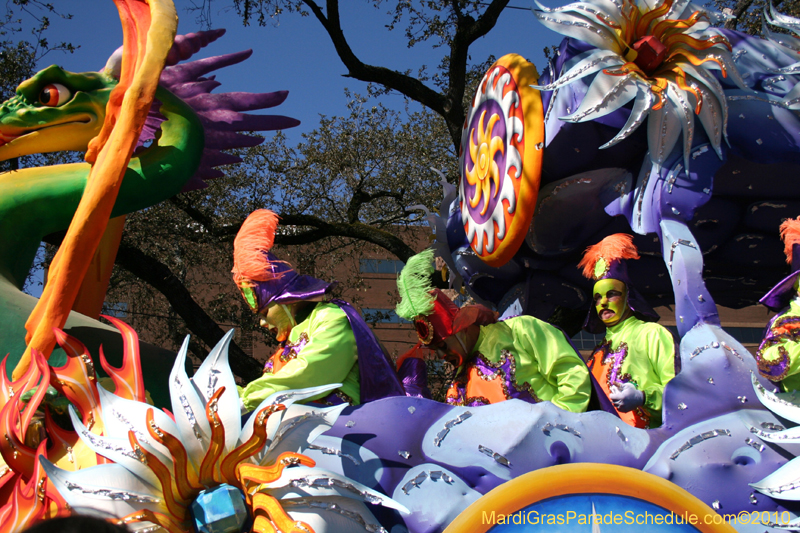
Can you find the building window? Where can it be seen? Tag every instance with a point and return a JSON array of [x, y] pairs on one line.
[[117, 310], [382, 316], [380, 266]]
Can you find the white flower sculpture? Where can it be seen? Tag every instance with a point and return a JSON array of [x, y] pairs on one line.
[[659, 56], [160, 464], [782, 484], [789, 44]]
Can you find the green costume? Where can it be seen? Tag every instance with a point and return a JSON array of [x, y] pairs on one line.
[[320, 350], [638, 352], [778, 356], [523, 358]]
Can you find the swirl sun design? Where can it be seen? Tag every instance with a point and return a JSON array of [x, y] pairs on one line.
[[500, 160], [484, 164]]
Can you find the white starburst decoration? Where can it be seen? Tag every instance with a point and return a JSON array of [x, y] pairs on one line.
[[659, 56]]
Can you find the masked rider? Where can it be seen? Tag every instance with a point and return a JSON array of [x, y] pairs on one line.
[[321, 342], [778, 356], [522, 357], [636, 358]]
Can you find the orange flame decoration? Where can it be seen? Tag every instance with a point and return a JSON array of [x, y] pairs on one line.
[[29, 496], [23, 483], [128, 379]]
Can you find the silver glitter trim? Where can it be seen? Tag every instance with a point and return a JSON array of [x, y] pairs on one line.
[[697, 439], [324, 482], [99, 442], [612, 95], [296, 421], [563, 427], [187, 409], [334, 451], [127, 423], [450, 424], [574, 74], [109, 494], [754, 444], [777, 103], [672, 176], [734, 352], [334, 508], [213, 378], [494, 455], [434, 475], [404, 454], [772, 436], [677, 243]]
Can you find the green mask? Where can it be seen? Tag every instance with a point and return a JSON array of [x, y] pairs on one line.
[[611, 301]]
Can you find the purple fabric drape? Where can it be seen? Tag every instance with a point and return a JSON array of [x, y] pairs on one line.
[[376, 373], [414, 373]]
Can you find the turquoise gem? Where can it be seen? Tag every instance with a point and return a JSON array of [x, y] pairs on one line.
[[219, 510]]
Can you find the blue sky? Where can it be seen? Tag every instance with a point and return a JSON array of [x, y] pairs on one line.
[[295, 53]]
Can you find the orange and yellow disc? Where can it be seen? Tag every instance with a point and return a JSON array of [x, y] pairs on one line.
[[501, 159], [591, 498]]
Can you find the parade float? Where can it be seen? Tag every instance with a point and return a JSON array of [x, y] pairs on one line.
[[605, 140]]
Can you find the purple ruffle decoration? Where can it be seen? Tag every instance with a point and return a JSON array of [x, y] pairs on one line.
[[376, 373]]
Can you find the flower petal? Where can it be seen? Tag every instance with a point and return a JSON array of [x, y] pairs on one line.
[[301, 424], [641, 108], [776, 404], [783, 484], [593, 61], [685, 115], [582, 28], [215, 372], [332, 514], [121, 415], [711, 118], [605, 95], [287, 398], [109, 488], [189, 410], [116, 449], [663, 130], [605, 11], [301, 482]]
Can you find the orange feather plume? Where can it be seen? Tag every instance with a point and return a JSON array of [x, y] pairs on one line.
[[790, 234], [613, 248], [254, 240]]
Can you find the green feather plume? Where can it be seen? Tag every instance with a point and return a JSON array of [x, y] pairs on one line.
[[414, 286]]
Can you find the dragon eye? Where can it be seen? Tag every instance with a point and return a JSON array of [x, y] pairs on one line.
[[54, 95]]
